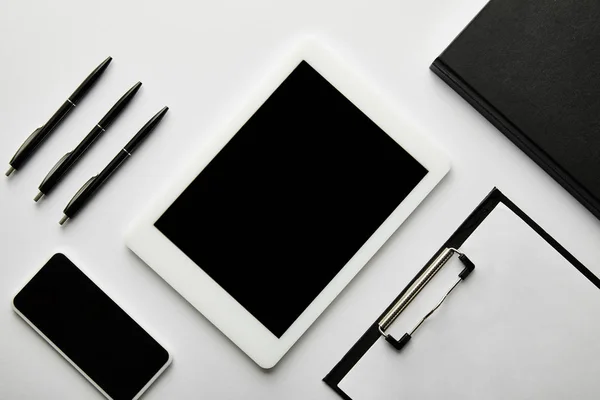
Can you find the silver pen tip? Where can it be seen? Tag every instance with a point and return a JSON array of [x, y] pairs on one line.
[[39, 196], [10, 171], [63, 220]]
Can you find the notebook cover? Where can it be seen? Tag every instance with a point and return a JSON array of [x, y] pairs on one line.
[[371, 335], [532, 68]]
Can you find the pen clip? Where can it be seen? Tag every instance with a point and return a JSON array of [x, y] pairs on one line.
[[56, 166], [85, 186], [28, 140]]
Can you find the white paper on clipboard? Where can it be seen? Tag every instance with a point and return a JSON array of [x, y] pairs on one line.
[[524, 325]]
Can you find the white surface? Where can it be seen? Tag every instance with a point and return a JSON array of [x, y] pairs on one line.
[[203, 292], [208, 55], [86, 376], [503, 334]]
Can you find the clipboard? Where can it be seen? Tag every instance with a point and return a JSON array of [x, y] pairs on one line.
[[402, 354]]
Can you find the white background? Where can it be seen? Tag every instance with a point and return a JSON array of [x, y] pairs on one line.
[[203, 59]]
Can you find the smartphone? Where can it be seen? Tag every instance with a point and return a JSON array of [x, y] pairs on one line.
[[90, 330]]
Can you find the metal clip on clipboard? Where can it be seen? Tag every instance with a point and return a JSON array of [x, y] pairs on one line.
[[414, 290]]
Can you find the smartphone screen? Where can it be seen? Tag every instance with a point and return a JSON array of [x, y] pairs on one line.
[[90, 330]]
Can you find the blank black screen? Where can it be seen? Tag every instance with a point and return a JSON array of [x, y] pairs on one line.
[[291, 198], [90, 329]]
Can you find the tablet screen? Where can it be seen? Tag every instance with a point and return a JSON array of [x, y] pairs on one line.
[[291, 198]]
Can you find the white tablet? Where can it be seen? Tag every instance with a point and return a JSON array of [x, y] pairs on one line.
[[268, 224]]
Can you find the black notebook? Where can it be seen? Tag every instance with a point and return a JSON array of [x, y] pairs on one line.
[[532, 68]]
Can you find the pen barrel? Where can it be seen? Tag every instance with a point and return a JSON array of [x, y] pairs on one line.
[[89, 82], [87, 141], [119, 106], [145, 131], [31, 144], [112, 167], [57, 118], [112, 115]]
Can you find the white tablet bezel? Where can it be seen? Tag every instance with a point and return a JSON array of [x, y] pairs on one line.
[[205, 294]]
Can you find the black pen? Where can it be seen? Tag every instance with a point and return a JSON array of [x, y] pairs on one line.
[[89, 189], [40, 134], [58, 172]]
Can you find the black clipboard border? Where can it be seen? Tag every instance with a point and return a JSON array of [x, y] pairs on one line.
[[360, 348]]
